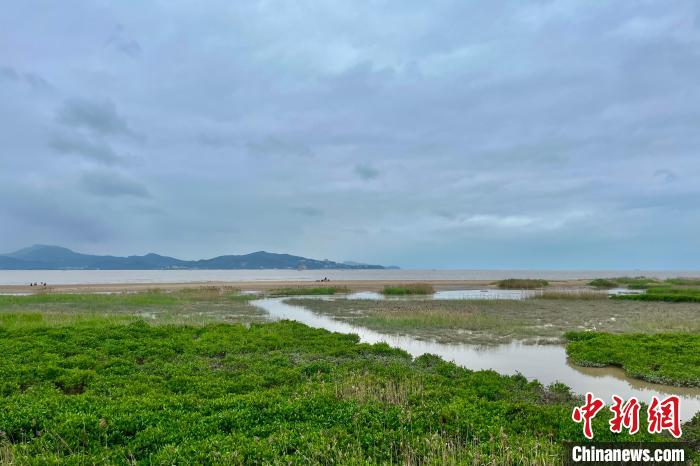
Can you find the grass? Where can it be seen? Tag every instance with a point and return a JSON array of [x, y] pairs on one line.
[[486, 322], [642, 283], [575, 294], [276, 393], [668, 358], [409, 289], [603, 283], [194, 306], [683, 281], [666, 294], [521, 284], [301, 291], [637, 283]]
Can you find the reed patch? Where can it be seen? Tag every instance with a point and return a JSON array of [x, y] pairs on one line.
[[408, 289]]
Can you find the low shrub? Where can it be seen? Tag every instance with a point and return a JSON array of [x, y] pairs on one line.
[[603, 283], [409, 289], [278, 393], [521, 284]]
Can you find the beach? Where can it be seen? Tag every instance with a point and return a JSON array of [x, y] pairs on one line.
[[353, 285]]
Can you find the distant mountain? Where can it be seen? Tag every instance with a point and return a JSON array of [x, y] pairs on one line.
[[42, 257], [360, 264]]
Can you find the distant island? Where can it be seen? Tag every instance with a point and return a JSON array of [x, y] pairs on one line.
[[43, 257]]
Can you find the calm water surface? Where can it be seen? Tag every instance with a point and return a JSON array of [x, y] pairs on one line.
[[546, 363]]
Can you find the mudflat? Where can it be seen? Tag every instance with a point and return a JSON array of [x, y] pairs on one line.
[[501, 321], [259, 285]]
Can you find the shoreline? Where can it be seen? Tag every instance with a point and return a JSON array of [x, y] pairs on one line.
[[260, 285]]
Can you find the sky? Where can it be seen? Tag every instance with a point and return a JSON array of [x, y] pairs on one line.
[[561, 134]]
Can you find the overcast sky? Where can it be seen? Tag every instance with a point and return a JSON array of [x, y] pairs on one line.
[[460, 134]]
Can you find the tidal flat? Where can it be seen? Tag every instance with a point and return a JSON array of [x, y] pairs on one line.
[[173, 377], [196, 306], [493, 322]]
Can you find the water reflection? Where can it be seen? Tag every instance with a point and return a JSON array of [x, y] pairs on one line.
[[546, 363], [452, 294], [485, 293]]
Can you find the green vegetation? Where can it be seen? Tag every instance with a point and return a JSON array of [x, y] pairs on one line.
[[691, 433], [575, 294], [521, 284], [636, 283], [301, 291], [642, 283], [190, 305], [603, 283], [683, 281], [275, 393], [667, 294], [148, 298], [501, 321], [669, 358], [409, 289]]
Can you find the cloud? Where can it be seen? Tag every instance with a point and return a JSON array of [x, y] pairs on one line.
[[111, 184], [667, 176], [308, 211], [48, 216], [130, 47], [366, 171], [421, 125], [276, 147], [98, 116], [8, 73], [120, 42], [95, 150], [33, 80]]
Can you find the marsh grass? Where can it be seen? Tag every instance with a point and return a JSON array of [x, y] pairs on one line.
[[683, 281], [6, 456], [573, 294], [665, 294], [487, 322], [637, 283], [667, 358], [603, 283], [409, 289], [521, 284], [642, 282], [192, 306], [25, 320], [369, 388], [309, 291]]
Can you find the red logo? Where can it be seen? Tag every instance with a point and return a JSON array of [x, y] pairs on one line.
[[587, 412], [661, 415], [626, 415]]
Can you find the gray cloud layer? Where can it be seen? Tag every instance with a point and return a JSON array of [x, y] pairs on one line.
[[427, 134]]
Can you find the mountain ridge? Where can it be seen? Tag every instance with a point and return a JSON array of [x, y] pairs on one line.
[[48, 257]]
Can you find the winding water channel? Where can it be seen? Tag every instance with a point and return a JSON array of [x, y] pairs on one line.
[[546, 363]]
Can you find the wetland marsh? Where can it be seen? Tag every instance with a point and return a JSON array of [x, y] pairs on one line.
[[497, 321], [286, 392]]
